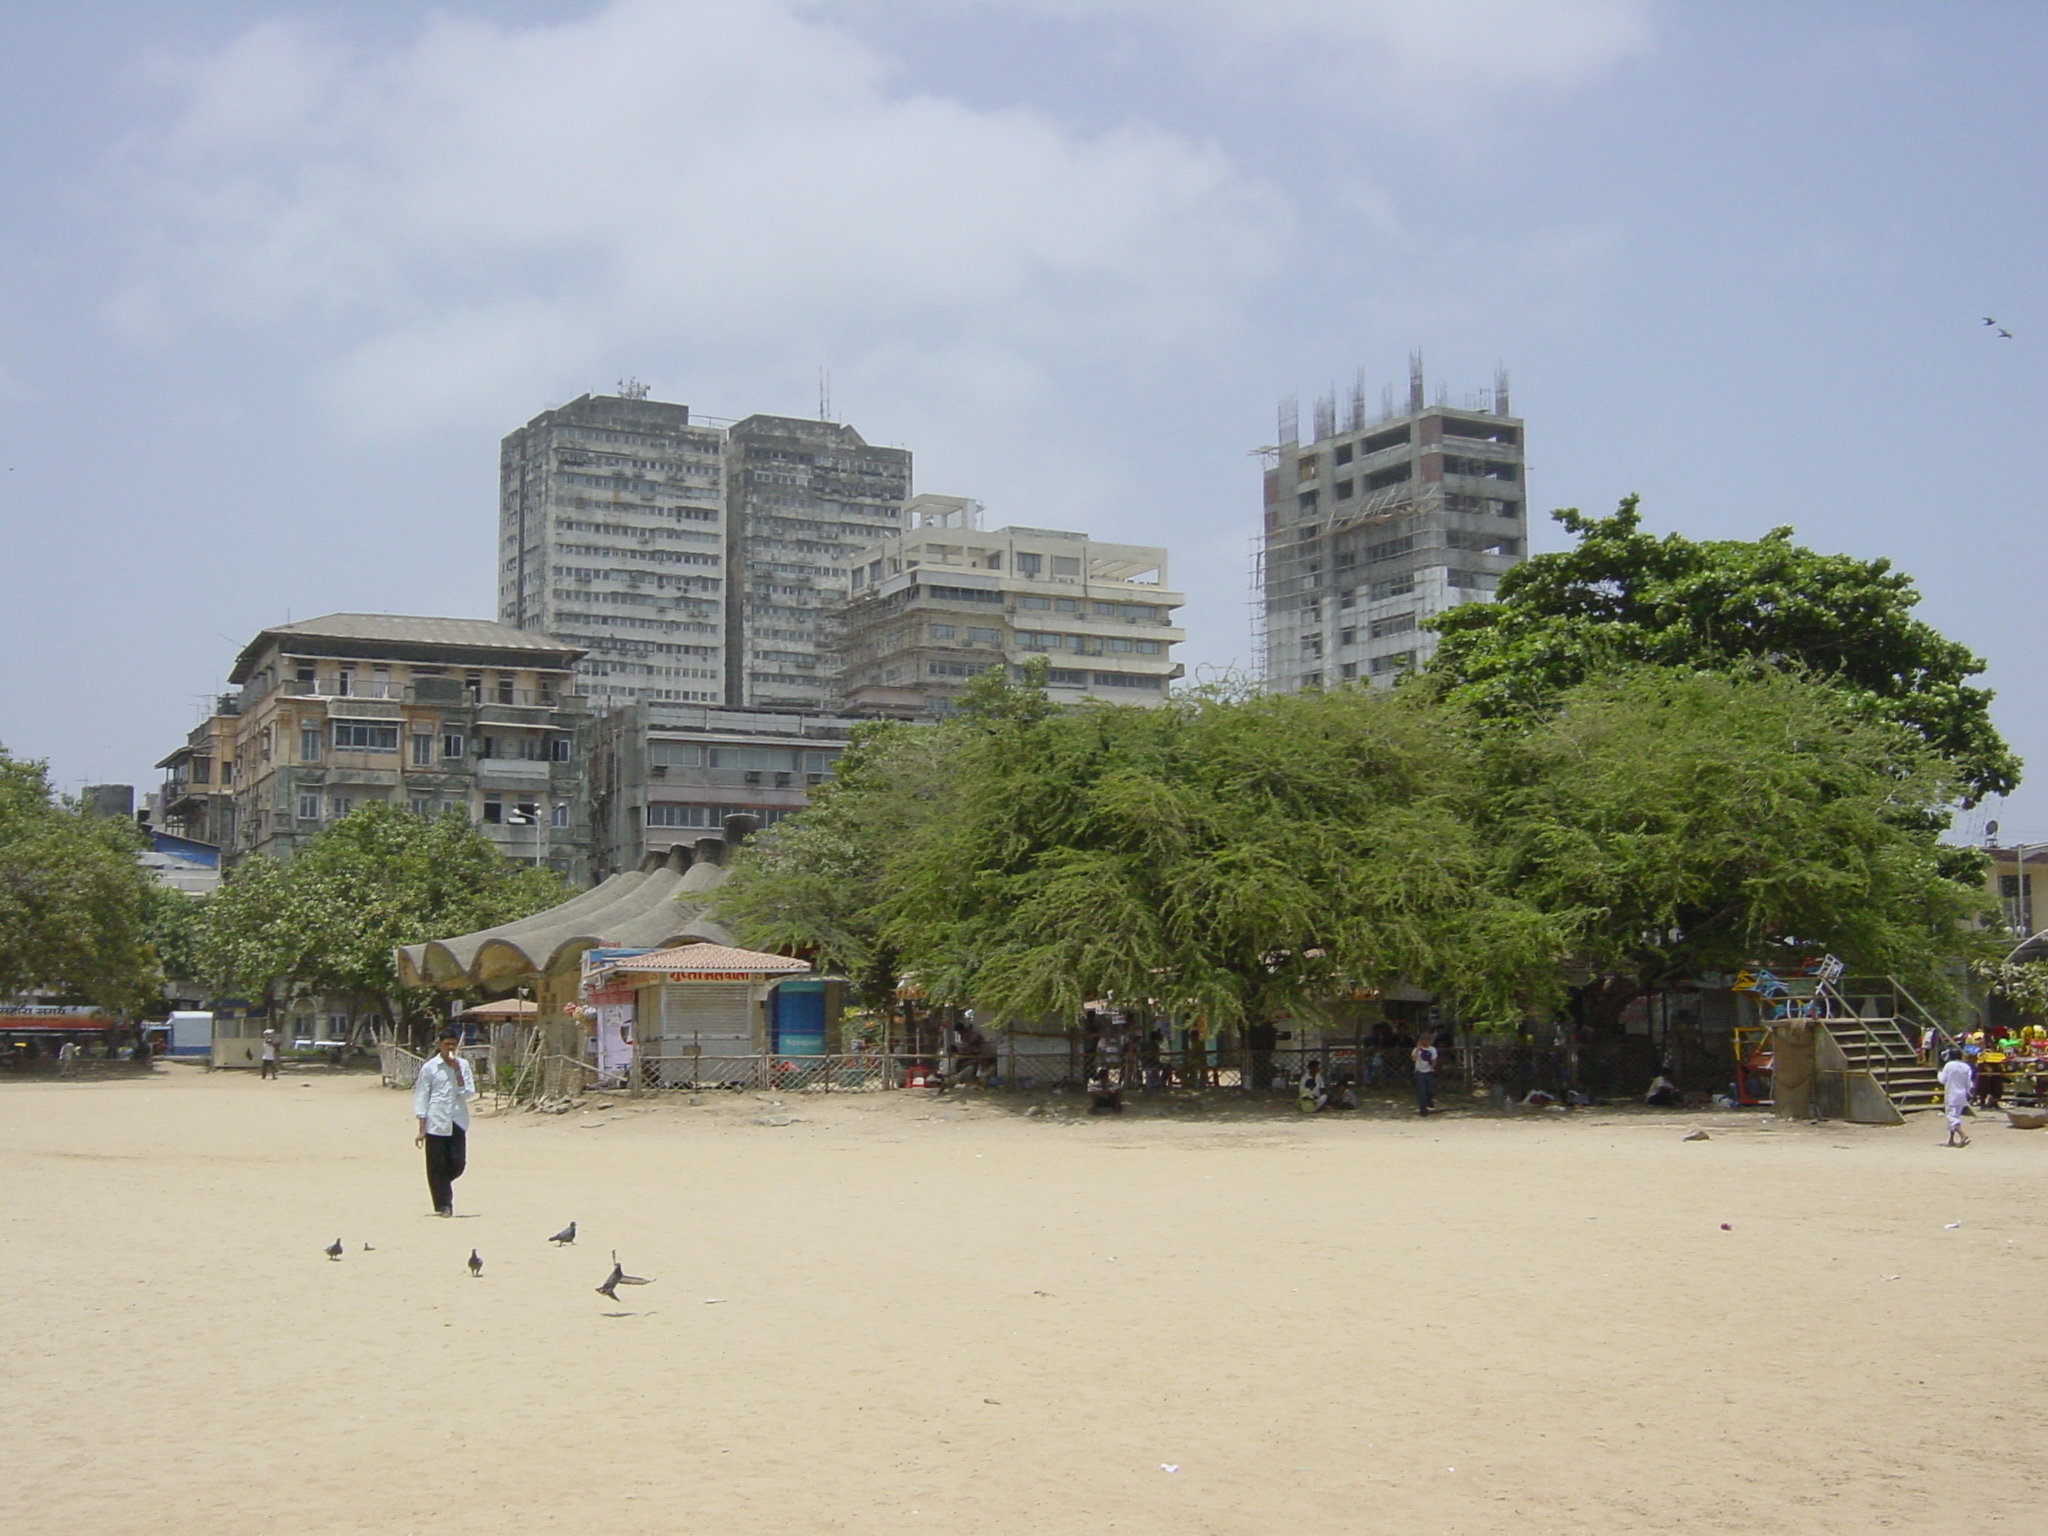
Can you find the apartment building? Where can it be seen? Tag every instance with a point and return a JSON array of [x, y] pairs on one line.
[[432, 714], [662, 774], [1376, 525], [611, 539], [936, 605], [801, 498], [197, 799]]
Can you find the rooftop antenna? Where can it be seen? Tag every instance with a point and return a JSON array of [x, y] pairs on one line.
[[824, 394], [632, 389]]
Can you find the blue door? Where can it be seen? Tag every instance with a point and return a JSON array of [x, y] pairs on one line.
[[799, 1018]]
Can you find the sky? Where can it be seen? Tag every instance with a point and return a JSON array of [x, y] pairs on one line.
[[278, 277]]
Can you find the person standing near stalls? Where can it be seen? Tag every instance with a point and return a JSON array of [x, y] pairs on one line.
[[1956, 1079], [1424, 1056], [268, 1065], [440, 1103]]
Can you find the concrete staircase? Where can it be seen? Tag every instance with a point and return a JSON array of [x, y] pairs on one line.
[[1887, 1048]]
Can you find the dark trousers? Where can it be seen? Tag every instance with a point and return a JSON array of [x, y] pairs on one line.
[[447, 1156], [268, 1068], [1425, 1092]]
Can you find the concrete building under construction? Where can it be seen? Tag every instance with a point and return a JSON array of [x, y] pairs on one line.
[[1378, 523]]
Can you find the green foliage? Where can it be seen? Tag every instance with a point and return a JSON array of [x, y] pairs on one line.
[[2021, 983], [380, 877], [1681, 822], [73, 900], [1624, 597], [174, 927], [1234, 858]]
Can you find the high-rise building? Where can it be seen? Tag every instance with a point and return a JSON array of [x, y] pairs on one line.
[[801, 498], [1378, 524], [946, 600], [693, 562], [611, 518]]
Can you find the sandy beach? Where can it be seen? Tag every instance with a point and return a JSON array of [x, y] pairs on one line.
[[897, 1314]]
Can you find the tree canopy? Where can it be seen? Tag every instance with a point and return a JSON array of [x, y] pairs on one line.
[[1623, 596], [1679, 823], [74, 902], [1242, 858], [377, 878]]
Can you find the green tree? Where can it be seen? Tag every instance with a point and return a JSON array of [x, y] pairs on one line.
[[328, 921], [73, 899], [1679, 823], [1236, 858], [1624, 596]]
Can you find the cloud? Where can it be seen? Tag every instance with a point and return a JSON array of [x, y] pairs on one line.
[[1372, 53], [490, 210]]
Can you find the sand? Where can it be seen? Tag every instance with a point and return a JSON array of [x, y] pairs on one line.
[[898, 1314]]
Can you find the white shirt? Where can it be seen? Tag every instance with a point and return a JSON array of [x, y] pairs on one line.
[[441, 1095], [1955, 1079], [1425, 1058]]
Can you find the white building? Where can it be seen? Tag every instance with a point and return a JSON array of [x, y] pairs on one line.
[[936, 605]]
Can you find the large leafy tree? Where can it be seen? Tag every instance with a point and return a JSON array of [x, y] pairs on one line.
[[74, 902], [1681, 822], [1233, 857], [328, 921], [1623, 596]]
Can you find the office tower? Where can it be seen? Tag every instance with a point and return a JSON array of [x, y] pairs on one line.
[[945, 601], [801, 498], [611, 519], [1376, 525]]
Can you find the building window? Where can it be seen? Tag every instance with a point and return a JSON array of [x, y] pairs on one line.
[[1395, 624], [309, 807], [943, 631], [344, 683], [422, 751], [677, 816], [558, 815], [675, 754], [494, 811], [1343, 490], [1034, 602], [991, 637], [1066, 605], [559, 748], [452, 744], [1066, 565], [1401, 661], [1066, 677], [1343, 453], [1306, 501], [1029, 564], [1347, 637], [362, 736], [1148, 647], [309, 744], [340, 805], [421, 806], [506, 693], [1349, 671], [2009, 887]]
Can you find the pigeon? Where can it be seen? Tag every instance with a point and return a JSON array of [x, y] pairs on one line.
[[2005, 333], [334, 1250], [1989, 321], [566, 1235], [617, 1278], [476, 1265], [368, 1249]]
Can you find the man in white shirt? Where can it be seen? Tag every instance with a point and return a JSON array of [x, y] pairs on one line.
[[440, 1102], [1956, 1079], [1425, 1074]]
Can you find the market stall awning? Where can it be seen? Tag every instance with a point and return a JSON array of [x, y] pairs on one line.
[[510, 1010], [656, 906], [703, 962]]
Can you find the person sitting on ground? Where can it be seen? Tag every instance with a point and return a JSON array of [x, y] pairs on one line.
[[1346, 1096], [1664, 1094], [1104, 1097], [1313, 1093]]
